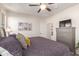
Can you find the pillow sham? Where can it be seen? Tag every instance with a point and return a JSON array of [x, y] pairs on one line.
[[21, 39], [4, 52]]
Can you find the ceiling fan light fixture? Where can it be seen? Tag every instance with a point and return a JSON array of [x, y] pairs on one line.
[[43, 6]]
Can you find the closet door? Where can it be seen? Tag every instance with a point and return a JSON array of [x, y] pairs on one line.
[[66, 35]]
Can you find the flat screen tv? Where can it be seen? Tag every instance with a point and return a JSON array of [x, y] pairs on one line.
[[65, 23]]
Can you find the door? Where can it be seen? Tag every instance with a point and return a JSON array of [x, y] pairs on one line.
[[50, 30]]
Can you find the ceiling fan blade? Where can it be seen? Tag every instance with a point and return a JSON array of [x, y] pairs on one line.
[[48, 9], [50, 3], [39, 10], [33, 5]]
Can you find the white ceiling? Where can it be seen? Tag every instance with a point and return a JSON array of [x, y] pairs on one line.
[[24, 8]]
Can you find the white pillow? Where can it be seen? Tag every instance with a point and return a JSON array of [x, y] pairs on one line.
[[4, 52]]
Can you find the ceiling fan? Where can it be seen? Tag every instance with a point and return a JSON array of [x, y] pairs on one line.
[[43, 6]]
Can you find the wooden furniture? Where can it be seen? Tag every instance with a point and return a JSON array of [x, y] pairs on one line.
[[77, 52], [66, 35]]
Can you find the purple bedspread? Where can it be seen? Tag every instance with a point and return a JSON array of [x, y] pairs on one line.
[[11, 45], [45, 47]]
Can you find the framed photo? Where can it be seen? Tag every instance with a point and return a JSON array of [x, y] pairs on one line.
[[23, 26]]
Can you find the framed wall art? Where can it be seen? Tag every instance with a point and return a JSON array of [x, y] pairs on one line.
[[24, 26]]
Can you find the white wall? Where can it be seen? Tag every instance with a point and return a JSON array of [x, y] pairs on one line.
[[14, 18], [70, 13]]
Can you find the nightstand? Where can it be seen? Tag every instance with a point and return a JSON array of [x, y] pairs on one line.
[[77, 51]]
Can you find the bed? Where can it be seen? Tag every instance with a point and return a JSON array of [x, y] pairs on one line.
[[39, 47], [44, 47]]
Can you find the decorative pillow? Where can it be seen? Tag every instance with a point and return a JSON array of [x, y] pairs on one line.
[[27, 40], [21, 39], [12, 46], [4, 52]]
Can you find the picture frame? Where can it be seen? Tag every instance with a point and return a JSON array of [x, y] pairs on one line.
[[24, 26]]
